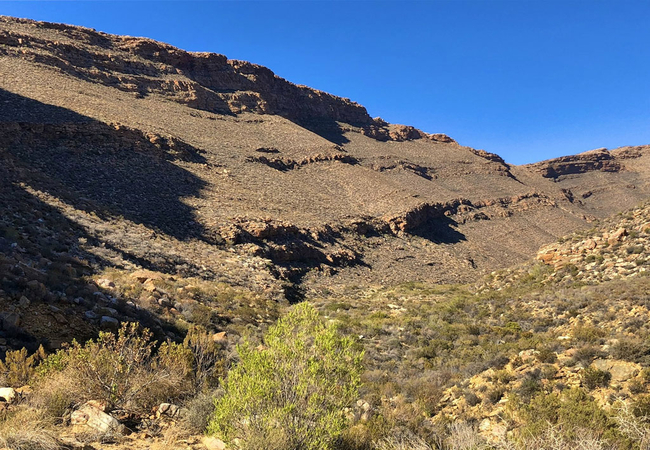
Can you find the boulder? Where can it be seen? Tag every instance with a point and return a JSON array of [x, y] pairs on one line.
[[23, 303], [213, 443], [109, 323], [9, 320], [91, 417], [8, 394], [620, 370], [402, 133], [170, 410], [105, 283], [617, 236], [219, 337], [144, 275]]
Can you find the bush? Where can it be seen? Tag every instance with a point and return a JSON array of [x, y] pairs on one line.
[[573, 410], [546, 355], [290, 393], [27, 429], [18, 368], [593, 378], [121, 370], [208, 359]]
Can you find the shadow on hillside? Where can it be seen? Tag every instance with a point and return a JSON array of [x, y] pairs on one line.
[[326, 128], [442, 230], [41, 261], [110, 171]]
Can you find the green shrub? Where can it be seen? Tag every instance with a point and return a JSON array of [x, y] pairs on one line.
[[631, 350], [291, 392], [634, 249], [588, 334], [529, 387], [593, 378], [572, 409], [18, 367], [493, 396], [546, 355]]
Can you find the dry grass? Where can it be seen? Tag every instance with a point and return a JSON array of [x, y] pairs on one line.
[[403, 442], [28, 429]]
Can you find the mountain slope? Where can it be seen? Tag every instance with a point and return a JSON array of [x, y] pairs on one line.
[[191, 162]]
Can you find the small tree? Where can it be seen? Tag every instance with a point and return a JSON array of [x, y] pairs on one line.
[[290, 393]]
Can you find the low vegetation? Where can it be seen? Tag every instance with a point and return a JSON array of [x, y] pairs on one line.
[[526, 359]]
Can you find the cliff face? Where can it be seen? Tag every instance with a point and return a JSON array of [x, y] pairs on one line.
[[142, 66], [595, 160], [190, 162]]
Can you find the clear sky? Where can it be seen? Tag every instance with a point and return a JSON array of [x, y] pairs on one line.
[[526, 79]]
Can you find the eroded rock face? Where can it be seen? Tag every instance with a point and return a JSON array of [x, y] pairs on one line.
[[594, 160], [204, 81]]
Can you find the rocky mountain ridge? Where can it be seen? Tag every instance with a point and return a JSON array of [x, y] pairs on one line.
[[222, 157]]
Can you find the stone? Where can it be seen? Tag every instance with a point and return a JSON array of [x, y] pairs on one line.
[[60, 318], [617, 236], [149, 286], [90, 315], [220, 337], [492, 431], [105, 283], [620, 370], [144, 275], [213, 443], [37, 289], [23, 303], [8, 394], [404, 133], [109, 323], [90, 416], [9, 320], [170, 410], [105, 311]]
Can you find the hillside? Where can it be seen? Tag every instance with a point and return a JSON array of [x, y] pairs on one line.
[[203, 198], [203, 155]]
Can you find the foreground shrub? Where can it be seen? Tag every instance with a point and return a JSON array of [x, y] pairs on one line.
[[292, 392], [121, 370], [561, 438]]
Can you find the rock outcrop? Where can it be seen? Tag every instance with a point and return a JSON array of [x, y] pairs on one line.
[[600, 159], [206, 81]]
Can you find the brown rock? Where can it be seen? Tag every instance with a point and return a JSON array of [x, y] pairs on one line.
[[404, 133], [144, 275], [213, 443], [220, 337], [620, 370], [617, 236]]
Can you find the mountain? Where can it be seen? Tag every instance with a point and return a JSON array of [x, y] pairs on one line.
[[201, 196], [190, 161]]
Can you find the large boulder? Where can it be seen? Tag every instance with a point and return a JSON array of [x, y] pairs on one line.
[[620, 370], [8, 394], [91, 417]]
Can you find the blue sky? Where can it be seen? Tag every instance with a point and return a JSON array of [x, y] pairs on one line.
[[526, 79]]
